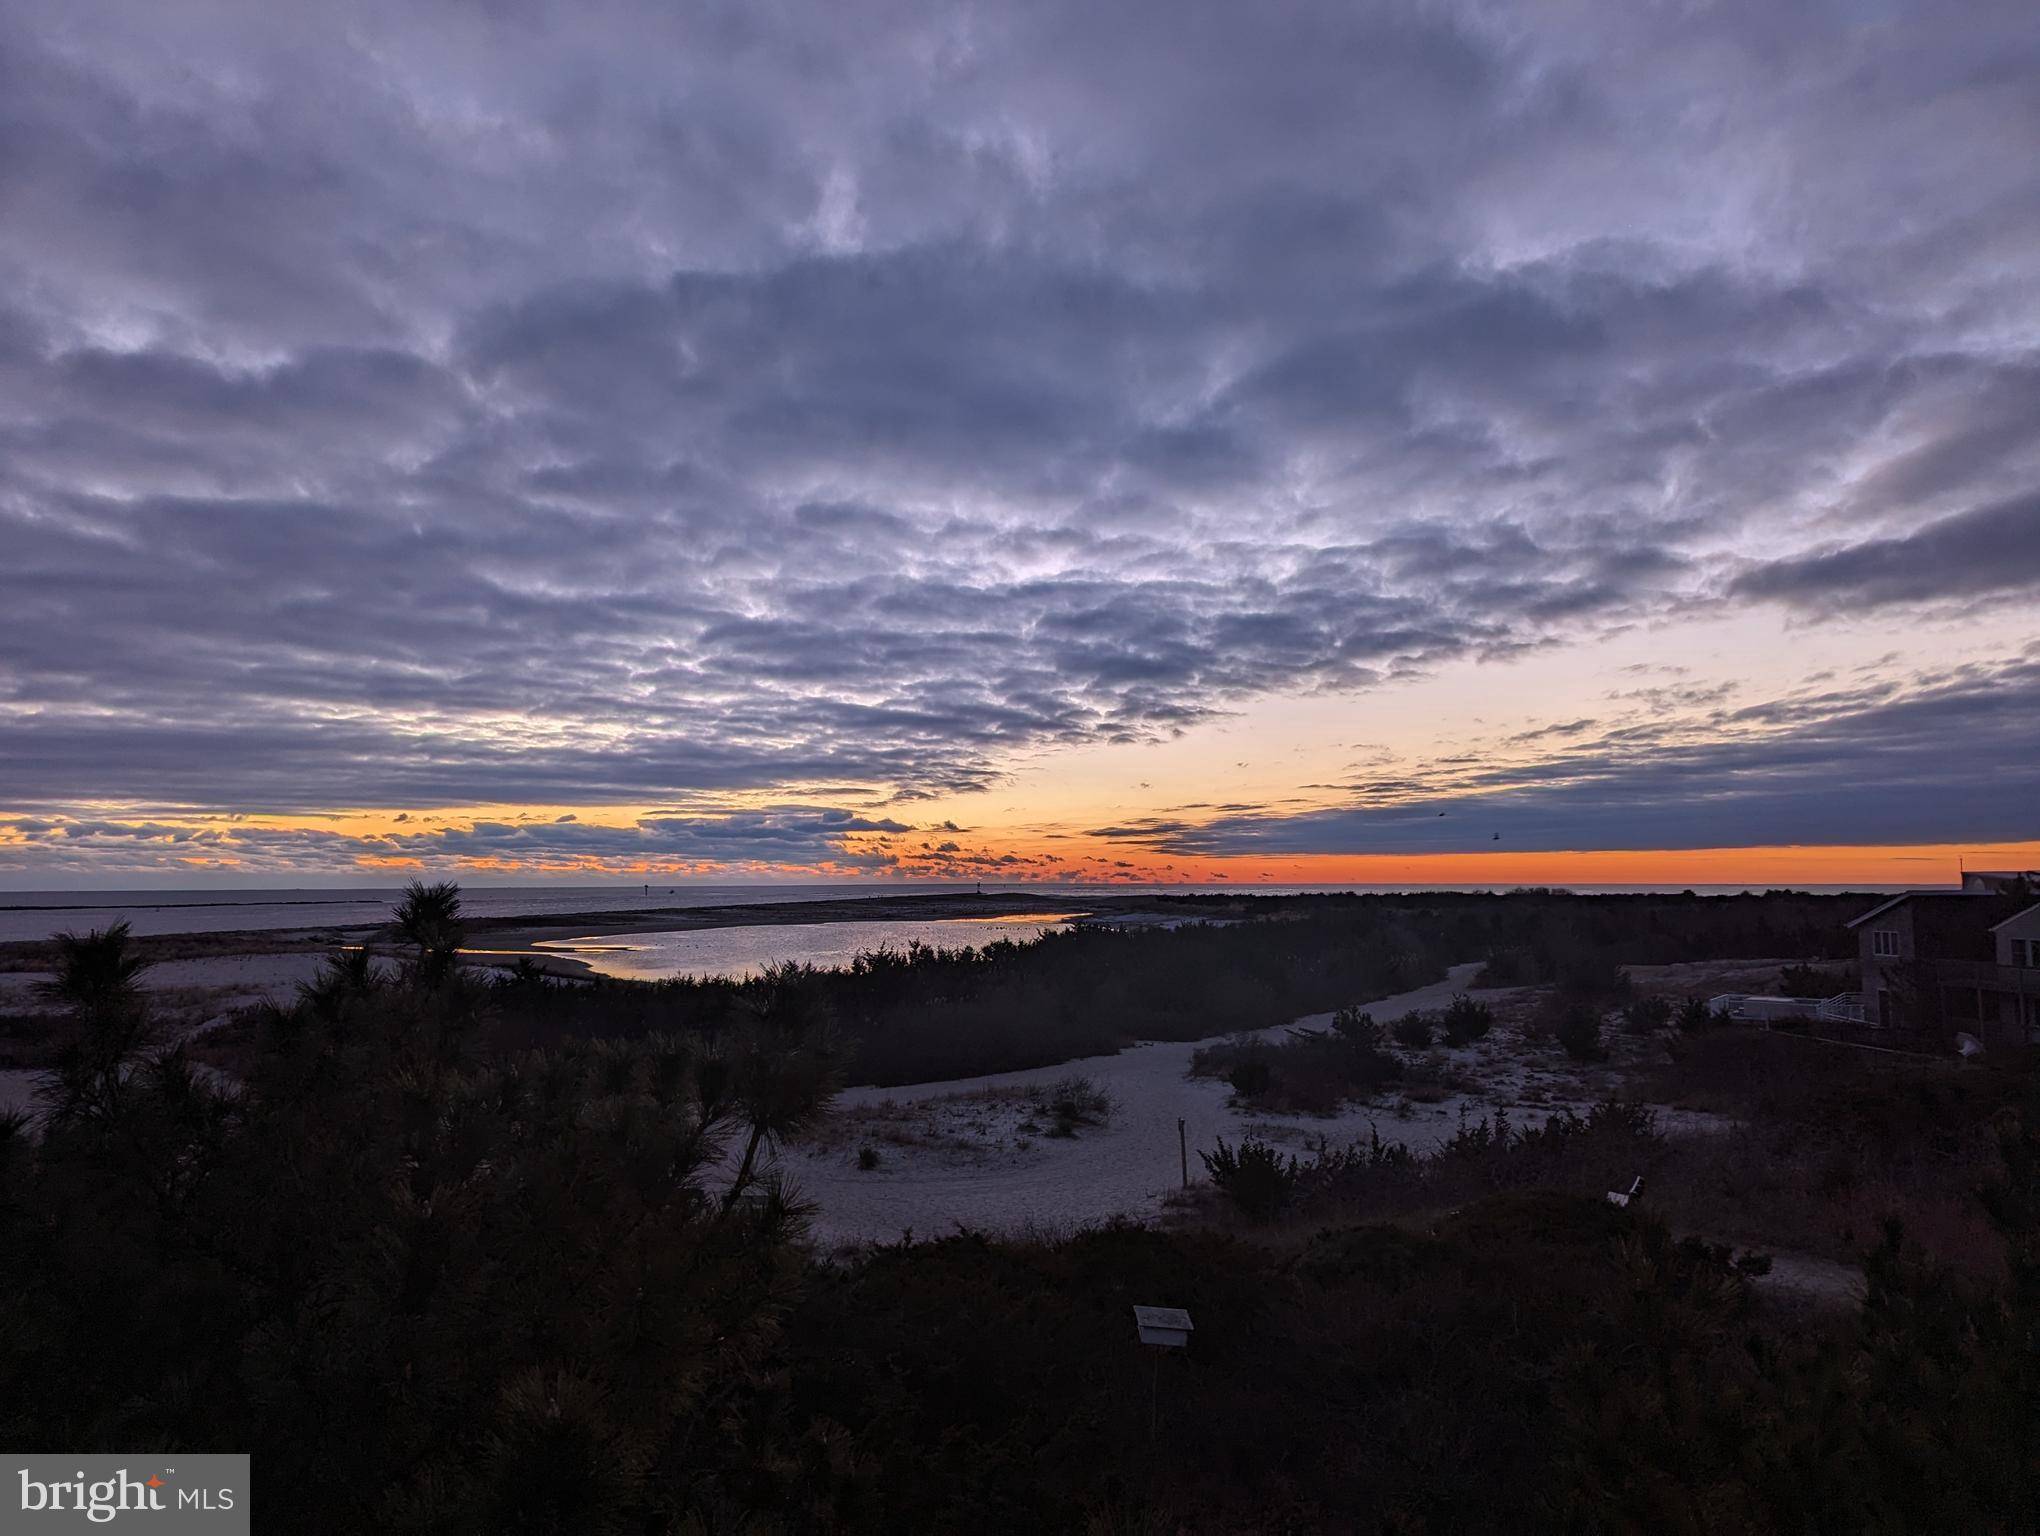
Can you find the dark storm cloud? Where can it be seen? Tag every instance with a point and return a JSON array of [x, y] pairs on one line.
[[1987, 551], [430, 404], [1868, 764]]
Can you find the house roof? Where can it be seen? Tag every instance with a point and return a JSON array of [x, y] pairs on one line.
[[1942, 894], [2022, 912]]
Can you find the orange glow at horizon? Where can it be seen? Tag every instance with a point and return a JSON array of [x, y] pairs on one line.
[[1925, 865], [262, 848], [1930, 864]]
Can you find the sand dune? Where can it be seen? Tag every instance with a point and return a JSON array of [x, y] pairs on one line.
[[1125, 1168]]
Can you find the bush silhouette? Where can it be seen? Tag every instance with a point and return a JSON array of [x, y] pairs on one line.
[[1465, 1020], [1256, 1178], [1579, 1032], [1647, 1015]]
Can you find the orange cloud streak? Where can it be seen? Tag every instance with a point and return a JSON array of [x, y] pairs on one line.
[[1934, 864]]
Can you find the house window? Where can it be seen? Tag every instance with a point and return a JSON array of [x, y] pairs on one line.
[[1884, 943], [2026, 952]]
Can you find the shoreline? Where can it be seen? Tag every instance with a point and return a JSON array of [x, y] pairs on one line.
[[504, 940], [511, 940]]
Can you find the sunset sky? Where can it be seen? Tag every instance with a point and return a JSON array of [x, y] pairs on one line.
[[1486, 442]]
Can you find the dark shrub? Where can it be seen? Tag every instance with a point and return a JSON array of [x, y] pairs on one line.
[[1590, 973], [1256, 1178], [1311, 1072], [1695, 1016], [1579, 1032], [1509, 968], [1414, 1031], [1647, 1015], [1806, 981], [1251, 1074], [1465, 1020], [867, 1158], [1357, 1028], [1610, 1143], [1075, 1101]]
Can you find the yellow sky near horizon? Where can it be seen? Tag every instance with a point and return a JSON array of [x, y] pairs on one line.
[[1102, 811]]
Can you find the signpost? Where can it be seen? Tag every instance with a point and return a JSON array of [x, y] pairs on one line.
[[1162, 1329]]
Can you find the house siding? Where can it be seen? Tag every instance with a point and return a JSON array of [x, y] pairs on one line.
[[2016, 942], [2024, 928], [1877, 969], [1947, 970]]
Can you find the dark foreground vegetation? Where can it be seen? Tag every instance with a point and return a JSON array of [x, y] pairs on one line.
[[1316, 1071], [436, 1283], [1237, 963]]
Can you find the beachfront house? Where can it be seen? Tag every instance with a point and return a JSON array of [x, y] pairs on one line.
[[1966, 960], [2001, 882]]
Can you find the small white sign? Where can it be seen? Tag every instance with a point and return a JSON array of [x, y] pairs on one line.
[[1164, 1327]]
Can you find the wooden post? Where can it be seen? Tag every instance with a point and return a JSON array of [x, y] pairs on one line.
[[1183, 1150], [1154, 1399]]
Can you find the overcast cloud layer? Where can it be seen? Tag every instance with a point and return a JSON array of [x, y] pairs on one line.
[[410, 405]]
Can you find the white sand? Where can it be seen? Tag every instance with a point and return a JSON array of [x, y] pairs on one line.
[[966, 1162], [1125, 1168], [232, 981], [192, 996]]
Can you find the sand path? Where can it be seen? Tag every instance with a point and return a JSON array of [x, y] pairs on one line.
[[1125, 1168]]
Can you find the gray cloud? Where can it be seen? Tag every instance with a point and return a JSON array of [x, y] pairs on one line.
[[1940, 758], [413, 405], [1988, 551]]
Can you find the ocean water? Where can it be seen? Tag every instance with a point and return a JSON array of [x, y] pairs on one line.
[[745, 951], [38, 914]]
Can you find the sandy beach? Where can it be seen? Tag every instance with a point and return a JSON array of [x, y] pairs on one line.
[[1124, 1168], [964, 1158]]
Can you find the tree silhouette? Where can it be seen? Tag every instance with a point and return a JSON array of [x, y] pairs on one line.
[[428, 919], [785, 1068], [97, 982]]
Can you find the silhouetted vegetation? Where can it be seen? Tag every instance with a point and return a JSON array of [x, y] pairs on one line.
[[1465, 1021], [1647, 1015], [1827, 1143], [1535, 1361], [923, 1014], [1578, 1031], [1073, 1102], [1256, 1178], [429, 1288], [1696, 1015], [1310, 1071], [1550, 938], [1812, 981], [1413, 1030], [435, 1281], [1374, 1179], [96, 989]]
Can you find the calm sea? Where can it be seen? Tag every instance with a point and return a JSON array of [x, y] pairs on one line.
[[745, 951]]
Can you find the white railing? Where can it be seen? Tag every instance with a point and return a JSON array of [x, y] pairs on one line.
[[1844, 1008], [1747, 1009]]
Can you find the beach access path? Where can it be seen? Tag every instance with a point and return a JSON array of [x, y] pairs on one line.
[[1126, 1167]]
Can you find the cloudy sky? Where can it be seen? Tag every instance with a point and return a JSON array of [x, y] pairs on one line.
[[1152, 440]]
